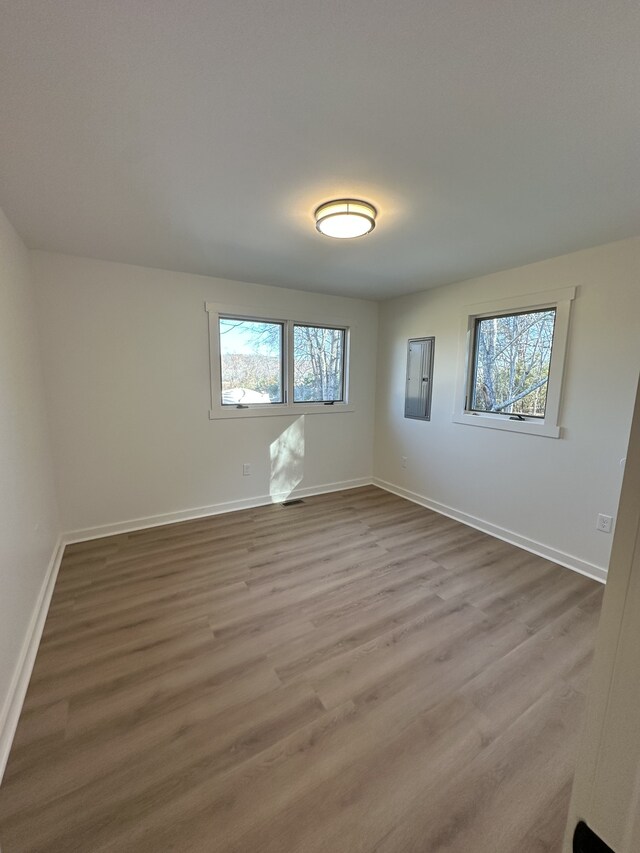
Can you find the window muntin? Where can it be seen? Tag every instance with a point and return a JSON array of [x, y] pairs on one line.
[[251, 361], [318, 364], [511, 363]]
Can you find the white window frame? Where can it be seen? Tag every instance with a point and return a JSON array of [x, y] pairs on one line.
[[288, 407], [549, 426]]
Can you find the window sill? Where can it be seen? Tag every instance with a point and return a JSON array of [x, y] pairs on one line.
[[278, 410], [530, 427]]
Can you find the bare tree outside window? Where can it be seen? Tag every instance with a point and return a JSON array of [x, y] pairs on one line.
[[512, 354], [250, 361], [317, 364]]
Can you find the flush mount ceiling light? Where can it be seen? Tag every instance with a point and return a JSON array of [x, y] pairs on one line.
[[346, 218]]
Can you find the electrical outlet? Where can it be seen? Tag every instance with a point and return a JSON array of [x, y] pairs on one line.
[[604, 522], [403, 461], [246, 470]]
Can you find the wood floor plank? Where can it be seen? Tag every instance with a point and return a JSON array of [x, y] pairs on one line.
[[353, 673], [481, 801], [196, 751]]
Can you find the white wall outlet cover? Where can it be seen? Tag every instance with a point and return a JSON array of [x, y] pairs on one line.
[[604, 523]]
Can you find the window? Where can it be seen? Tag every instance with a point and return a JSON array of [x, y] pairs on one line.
[[512, 360], [251, 366], [318, 364], [262, 365]]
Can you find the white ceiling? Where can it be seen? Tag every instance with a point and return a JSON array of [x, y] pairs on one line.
[[199, 135]]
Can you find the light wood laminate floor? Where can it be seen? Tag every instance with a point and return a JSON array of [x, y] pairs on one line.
[[350, 674]]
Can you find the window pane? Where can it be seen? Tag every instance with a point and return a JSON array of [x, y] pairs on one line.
[[250, 361], [318, 355], [511, 364]]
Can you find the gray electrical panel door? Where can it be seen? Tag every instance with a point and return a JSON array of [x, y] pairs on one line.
[[417, 401]]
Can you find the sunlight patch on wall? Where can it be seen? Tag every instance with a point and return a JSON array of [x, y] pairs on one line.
[[287, 461]]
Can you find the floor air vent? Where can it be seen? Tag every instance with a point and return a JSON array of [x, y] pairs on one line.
[[586, 841], [293, 502]]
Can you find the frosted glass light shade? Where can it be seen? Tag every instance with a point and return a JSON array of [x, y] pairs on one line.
[[345, 218]]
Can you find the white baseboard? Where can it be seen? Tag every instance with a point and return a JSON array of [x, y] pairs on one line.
[[10, 713], [568, 560], [204, 511]]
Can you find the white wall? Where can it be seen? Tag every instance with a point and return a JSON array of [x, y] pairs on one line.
[[127, 376], [543, 490], [28, 514]]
